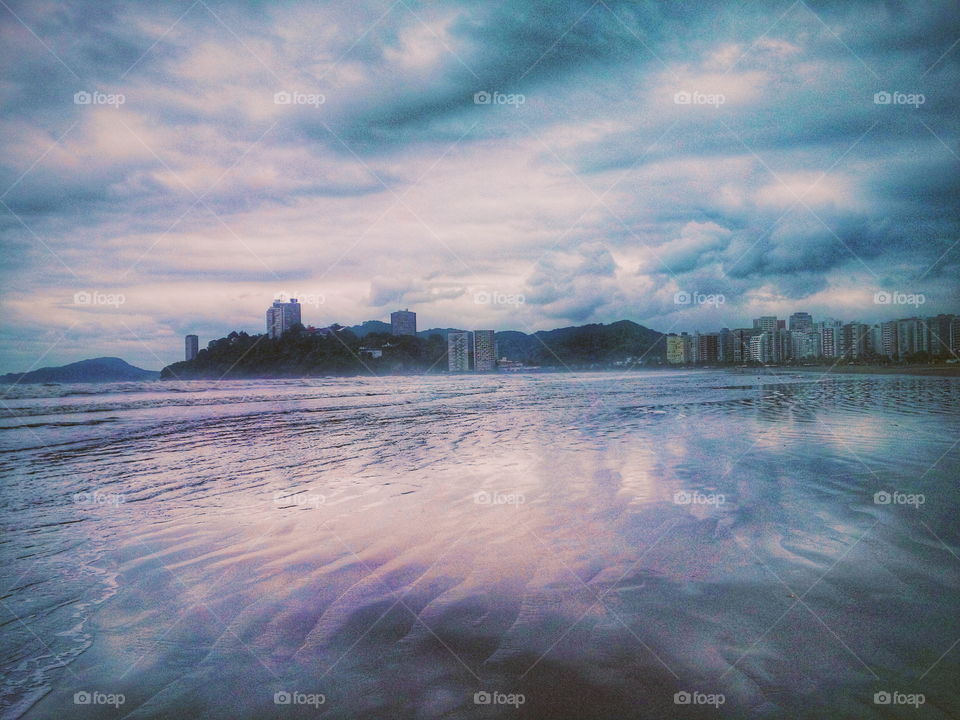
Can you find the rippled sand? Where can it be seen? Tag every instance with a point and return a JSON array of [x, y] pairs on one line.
[[590, 545]]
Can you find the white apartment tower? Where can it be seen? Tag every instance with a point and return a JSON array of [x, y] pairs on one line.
[[281, 316], [484, 351], [458, 352]]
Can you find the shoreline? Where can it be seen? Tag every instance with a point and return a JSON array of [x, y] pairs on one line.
[[910, 370], [913, 370]]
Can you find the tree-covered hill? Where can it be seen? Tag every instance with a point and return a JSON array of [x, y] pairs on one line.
[[95, 370], [342, 352], [585, 345], [299, 354]]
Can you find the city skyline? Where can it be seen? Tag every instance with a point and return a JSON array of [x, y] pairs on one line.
[[513, 166], [796, 320], [770, 339]]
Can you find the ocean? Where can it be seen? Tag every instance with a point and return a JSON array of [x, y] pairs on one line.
[[598, 545]]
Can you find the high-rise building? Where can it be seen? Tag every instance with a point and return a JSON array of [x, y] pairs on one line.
[[938, 333], [458, 351], [888, 338], [484, 351], [403, 322], [192, 343], [708, 348], [281, 316], [771, 326], [831, 337], [805, 345], [801, 322], [856, 340], [725, 346], [679, 349], [741, 343], [911, 334], [767, 323], [760, 347], [829, 342], [675, 350], [925, 338], [784, 344], [767, 347]]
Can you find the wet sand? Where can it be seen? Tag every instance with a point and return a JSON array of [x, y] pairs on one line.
[[596, 545]]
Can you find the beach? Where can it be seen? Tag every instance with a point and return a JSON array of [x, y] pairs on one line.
[[593, 545]]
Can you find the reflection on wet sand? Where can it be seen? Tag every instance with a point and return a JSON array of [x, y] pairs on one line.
[[593, 544]]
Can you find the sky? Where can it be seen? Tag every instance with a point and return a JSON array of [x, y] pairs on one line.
[[171, 168]]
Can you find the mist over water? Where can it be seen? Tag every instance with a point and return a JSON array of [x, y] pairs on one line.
[[540, 546]]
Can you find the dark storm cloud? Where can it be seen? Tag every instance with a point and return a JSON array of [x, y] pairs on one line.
[[511, 47]]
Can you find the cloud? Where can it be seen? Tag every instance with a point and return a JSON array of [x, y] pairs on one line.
[[694, 246], [573, 285], [394, 292], [597, 198]]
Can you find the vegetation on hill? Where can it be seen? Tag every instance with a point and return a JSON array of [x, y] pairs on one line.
[[343, 352], [104, 369], [299, 353], [623, 342]]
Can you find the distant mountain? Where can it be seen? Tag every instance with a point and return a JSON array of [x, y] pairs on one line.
[[370, 326], [377, 326], [516, 345], [595, 344], [105, 369], [442, 332]]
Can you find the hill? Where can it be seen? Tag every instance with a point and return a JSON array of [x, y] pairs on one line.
[[585, 346], [300, 354], [378, 327], [370, 326], [104, 369]]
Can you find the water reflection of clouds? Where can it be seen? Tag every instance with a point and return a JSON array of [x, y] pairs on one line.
[[502, 582]]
